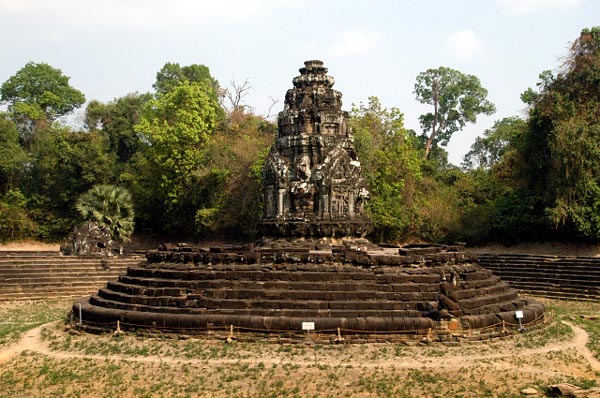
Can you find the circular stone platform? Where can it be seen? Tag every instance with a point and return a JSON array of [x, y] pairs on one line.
[[356, 289]]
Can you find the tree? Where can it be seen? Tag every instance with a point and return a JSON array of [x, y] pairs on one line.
[[111, 208], [456, 99], [13, 157], [172, 75], [64, 164], [487, 151], [117, 119], [16, 223], [391, 167], [562, 142], [38, 94], [177, 126]]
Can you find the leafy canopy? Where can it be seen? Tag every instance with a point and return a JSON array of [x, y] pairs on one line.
[[457, 99], [177, 125], [39, 91], [391, 167], [490, 149]]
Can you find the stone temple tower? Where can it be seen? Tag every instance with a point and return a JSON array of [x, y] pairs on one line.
[[313, 186]]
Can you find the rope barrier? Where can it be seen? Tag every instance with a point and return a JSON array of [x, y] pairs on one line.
[[502, 325]]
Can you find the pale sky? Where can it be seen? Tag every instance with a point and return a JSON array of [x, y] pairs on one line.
[[111, 48]]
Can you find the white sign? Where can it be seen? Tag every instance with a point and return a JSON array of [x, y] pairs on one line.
[[308, 326], [519, 314]]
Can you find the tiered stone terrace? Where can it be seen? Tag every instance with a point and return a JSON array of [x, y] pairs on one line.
[[360, 290]]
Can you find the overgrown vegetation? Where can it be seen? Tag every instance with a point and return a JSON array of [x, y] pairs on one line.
[[193, 163]]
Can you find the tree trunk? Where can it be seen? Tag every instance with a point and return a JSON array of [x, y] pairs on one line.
[[428, 145]]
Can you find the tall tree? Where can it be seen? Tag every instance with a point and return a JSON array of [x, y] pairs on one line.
[[391, 166], [64, 164], [38, 94], [562, 144], [457, 99], [172, 75], [177, 125]]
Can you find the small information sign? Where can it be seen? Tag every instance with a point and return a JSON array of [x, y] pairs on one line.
[[519, 314], [308, 326]]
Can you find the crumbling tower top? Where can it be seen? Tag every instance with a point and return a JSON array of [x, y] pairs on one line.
[[313, 185]]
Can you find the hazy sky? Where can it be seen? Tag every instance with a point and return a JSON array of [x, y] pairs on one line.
[[110, 48]]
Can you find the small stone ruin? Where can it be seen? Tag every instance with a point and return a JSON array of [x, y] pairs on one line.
[[313, 271]]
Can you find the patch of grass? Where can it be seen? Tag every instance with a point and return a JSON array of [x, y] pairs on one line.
[[19, 316]]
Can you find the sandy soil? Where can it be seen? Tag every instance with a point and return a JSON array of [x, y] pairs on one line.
[[29, 246], [546, 248]]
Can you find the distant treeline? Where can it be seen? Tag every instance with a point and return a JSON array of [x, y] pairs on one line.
[[191, 154]]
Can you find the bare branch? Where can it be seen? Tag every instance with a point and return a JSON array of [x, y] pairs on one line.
[[237, 93], [273, 103]]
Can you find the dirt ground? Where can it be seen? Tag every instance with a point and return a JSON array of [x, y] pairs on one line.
[[546, 248], [29, 246], [54, 361]]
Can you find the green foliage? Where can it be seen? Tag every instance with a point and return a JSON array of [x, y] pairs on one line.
[[64, 165], [37, 93], [236, 161], [110, 207], [117, 119], [16, 223], [563, 156], [13, 157], [391, 167], [178, 125], [489, 150], [172, 75], [457, 99]]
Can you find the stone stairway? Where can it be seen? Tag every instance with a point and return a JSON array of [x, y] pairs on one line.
[[40, 275], [548, 276]]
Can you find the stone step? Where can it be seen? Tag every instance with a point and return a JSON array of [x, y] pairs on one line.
[[470, 293], [26, 283], [552, 280], [274, 295], [586, 290], [61, 263], [156, 287], [256, 275], [488, 299], [257, 310], [37, 286], [595, 272], [539, 258], [493, 280], [562, 295], [316, 308], [28, 296], [22, 275]]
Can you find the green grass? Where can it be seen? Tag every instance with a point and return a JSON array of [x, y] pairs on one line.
[[19, 316]]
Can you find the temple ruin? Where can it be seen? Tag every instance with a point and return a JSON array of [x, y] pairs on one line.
[[314, 270], [313, 184]]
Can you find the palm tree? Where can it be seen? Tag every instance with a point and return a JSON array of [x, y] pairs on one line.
[[111, 208]]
